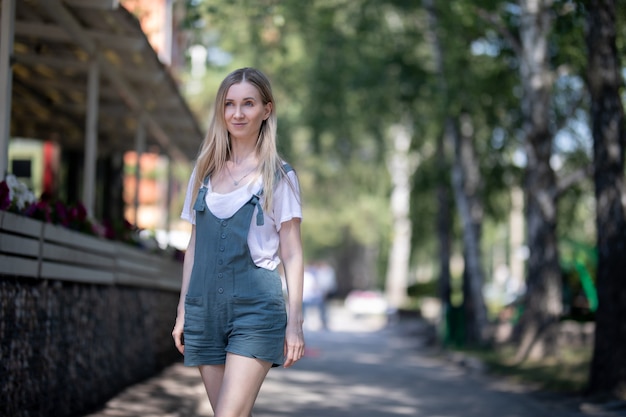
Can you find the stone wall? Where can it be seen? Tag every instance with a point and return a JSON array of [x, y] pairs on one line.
[[67, 347]]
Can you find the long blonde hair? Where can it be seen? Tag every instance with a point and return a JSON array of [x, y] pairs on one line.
[[216, 146]]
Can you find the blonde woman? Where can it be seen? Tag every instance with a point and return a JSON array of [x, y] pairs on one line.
[[244, 204]]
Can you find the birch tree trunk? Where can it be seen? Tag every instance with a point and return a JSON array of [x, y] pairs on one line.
[[517, 240], [543, 303], [401, 165], [444, 221], [608, 368], [467, 185], [444, 213]]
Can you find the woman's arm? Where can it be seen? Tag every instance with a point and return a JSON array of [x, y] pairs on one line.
[[292, 259], [177, 333]]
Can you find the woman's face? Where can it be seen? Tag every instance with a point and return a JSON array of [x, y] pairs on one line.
[[244, 111]]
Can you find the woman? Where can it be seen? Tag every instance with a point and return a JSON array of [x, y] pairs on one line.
[[243, 202]]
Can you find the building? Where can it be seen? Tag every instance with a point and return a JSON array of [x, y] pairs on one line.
[[85, 81]]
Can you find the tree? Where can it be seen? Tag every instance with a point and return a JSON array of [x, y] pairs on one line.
[[366, 72], [402, 165], [477, 131], [608, 367], [444, 212], [348, 114], [544, 42], [467, 187], [350, 76], [542, 304], [467, 184]]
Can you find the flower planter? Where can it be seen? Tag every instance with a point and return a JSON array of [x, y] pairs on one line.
[[35, 249], [19, 245]]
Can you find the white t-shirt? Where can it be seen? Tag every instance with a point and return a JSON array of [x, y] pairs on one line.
[[263, 240]]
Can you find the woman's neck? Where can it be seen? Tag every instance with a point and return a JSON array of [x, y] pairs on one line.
[[241, 154]]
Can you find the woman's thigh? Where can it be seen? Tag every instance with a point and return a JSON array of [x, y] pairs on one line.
[[240, 384], [212, 376]]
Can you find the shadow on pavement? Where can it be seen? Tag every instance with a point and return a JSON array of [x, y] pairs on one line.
[[363, 367]]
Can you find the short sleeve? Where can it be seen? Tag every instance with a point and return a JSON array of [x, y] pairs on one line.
[[188, 213], [287, 202]]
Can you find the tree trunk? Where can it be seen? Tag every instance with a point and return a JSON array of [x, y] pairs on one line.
[[608, 368], [444, 213], [517, 258], [467, 184], [542, 303], [444, 220], [401, 167]]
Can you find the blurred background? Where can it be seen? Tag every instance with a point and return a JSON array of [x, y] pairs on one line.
[[445, 150]]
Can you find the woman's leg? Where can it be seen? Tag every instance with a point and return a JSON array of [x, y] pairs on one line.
[[212, 376], [233, 389]]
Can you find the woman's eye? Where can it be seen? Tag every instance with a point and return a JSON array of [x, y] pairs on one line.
[[249, 103]]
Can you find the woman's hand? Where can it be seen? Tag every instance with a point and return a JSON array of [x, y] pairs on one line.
[[177, 333], [294, 344]]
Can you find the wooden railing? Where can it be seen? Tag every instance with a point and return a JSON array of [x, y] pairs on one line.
[[31, 248]]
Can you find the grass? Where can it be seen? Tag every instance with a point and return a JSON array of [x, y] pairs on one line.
[[567, 373]]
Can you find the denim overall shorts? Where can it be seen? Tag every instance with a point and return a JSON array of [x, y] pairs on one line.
[[231, 305]]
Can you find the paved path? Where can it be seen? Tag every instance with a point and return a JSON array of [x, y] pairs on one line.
[[360, 368]]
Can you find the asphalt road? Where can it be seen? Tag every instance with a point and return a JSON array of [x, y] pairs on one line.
[[362, 367]]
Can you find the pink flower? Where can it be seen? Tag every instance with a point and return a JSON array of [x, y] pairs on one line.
[[61, 214], [40, 210]]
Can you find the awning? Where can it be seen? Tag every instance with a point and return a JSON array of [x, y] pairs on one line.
[[55, 44]]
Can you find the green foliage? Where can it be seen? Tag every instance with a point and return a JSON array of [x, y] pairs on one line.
[[423, 289], [344, 71]]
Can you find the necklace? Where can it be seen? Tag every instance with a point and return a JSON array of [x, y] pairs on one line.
[[236, 182]]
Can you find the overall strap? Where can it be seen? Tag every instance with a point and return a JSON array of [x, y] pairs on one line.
[[255, 198], [287, 168], [200, 202]]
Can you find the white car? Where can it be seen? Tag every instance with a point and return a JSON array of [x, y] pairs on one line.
[[360, 302]]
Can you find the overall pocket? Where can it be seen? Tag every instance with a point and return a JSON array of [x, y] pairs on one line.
[[194, 315], [258, 313]]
